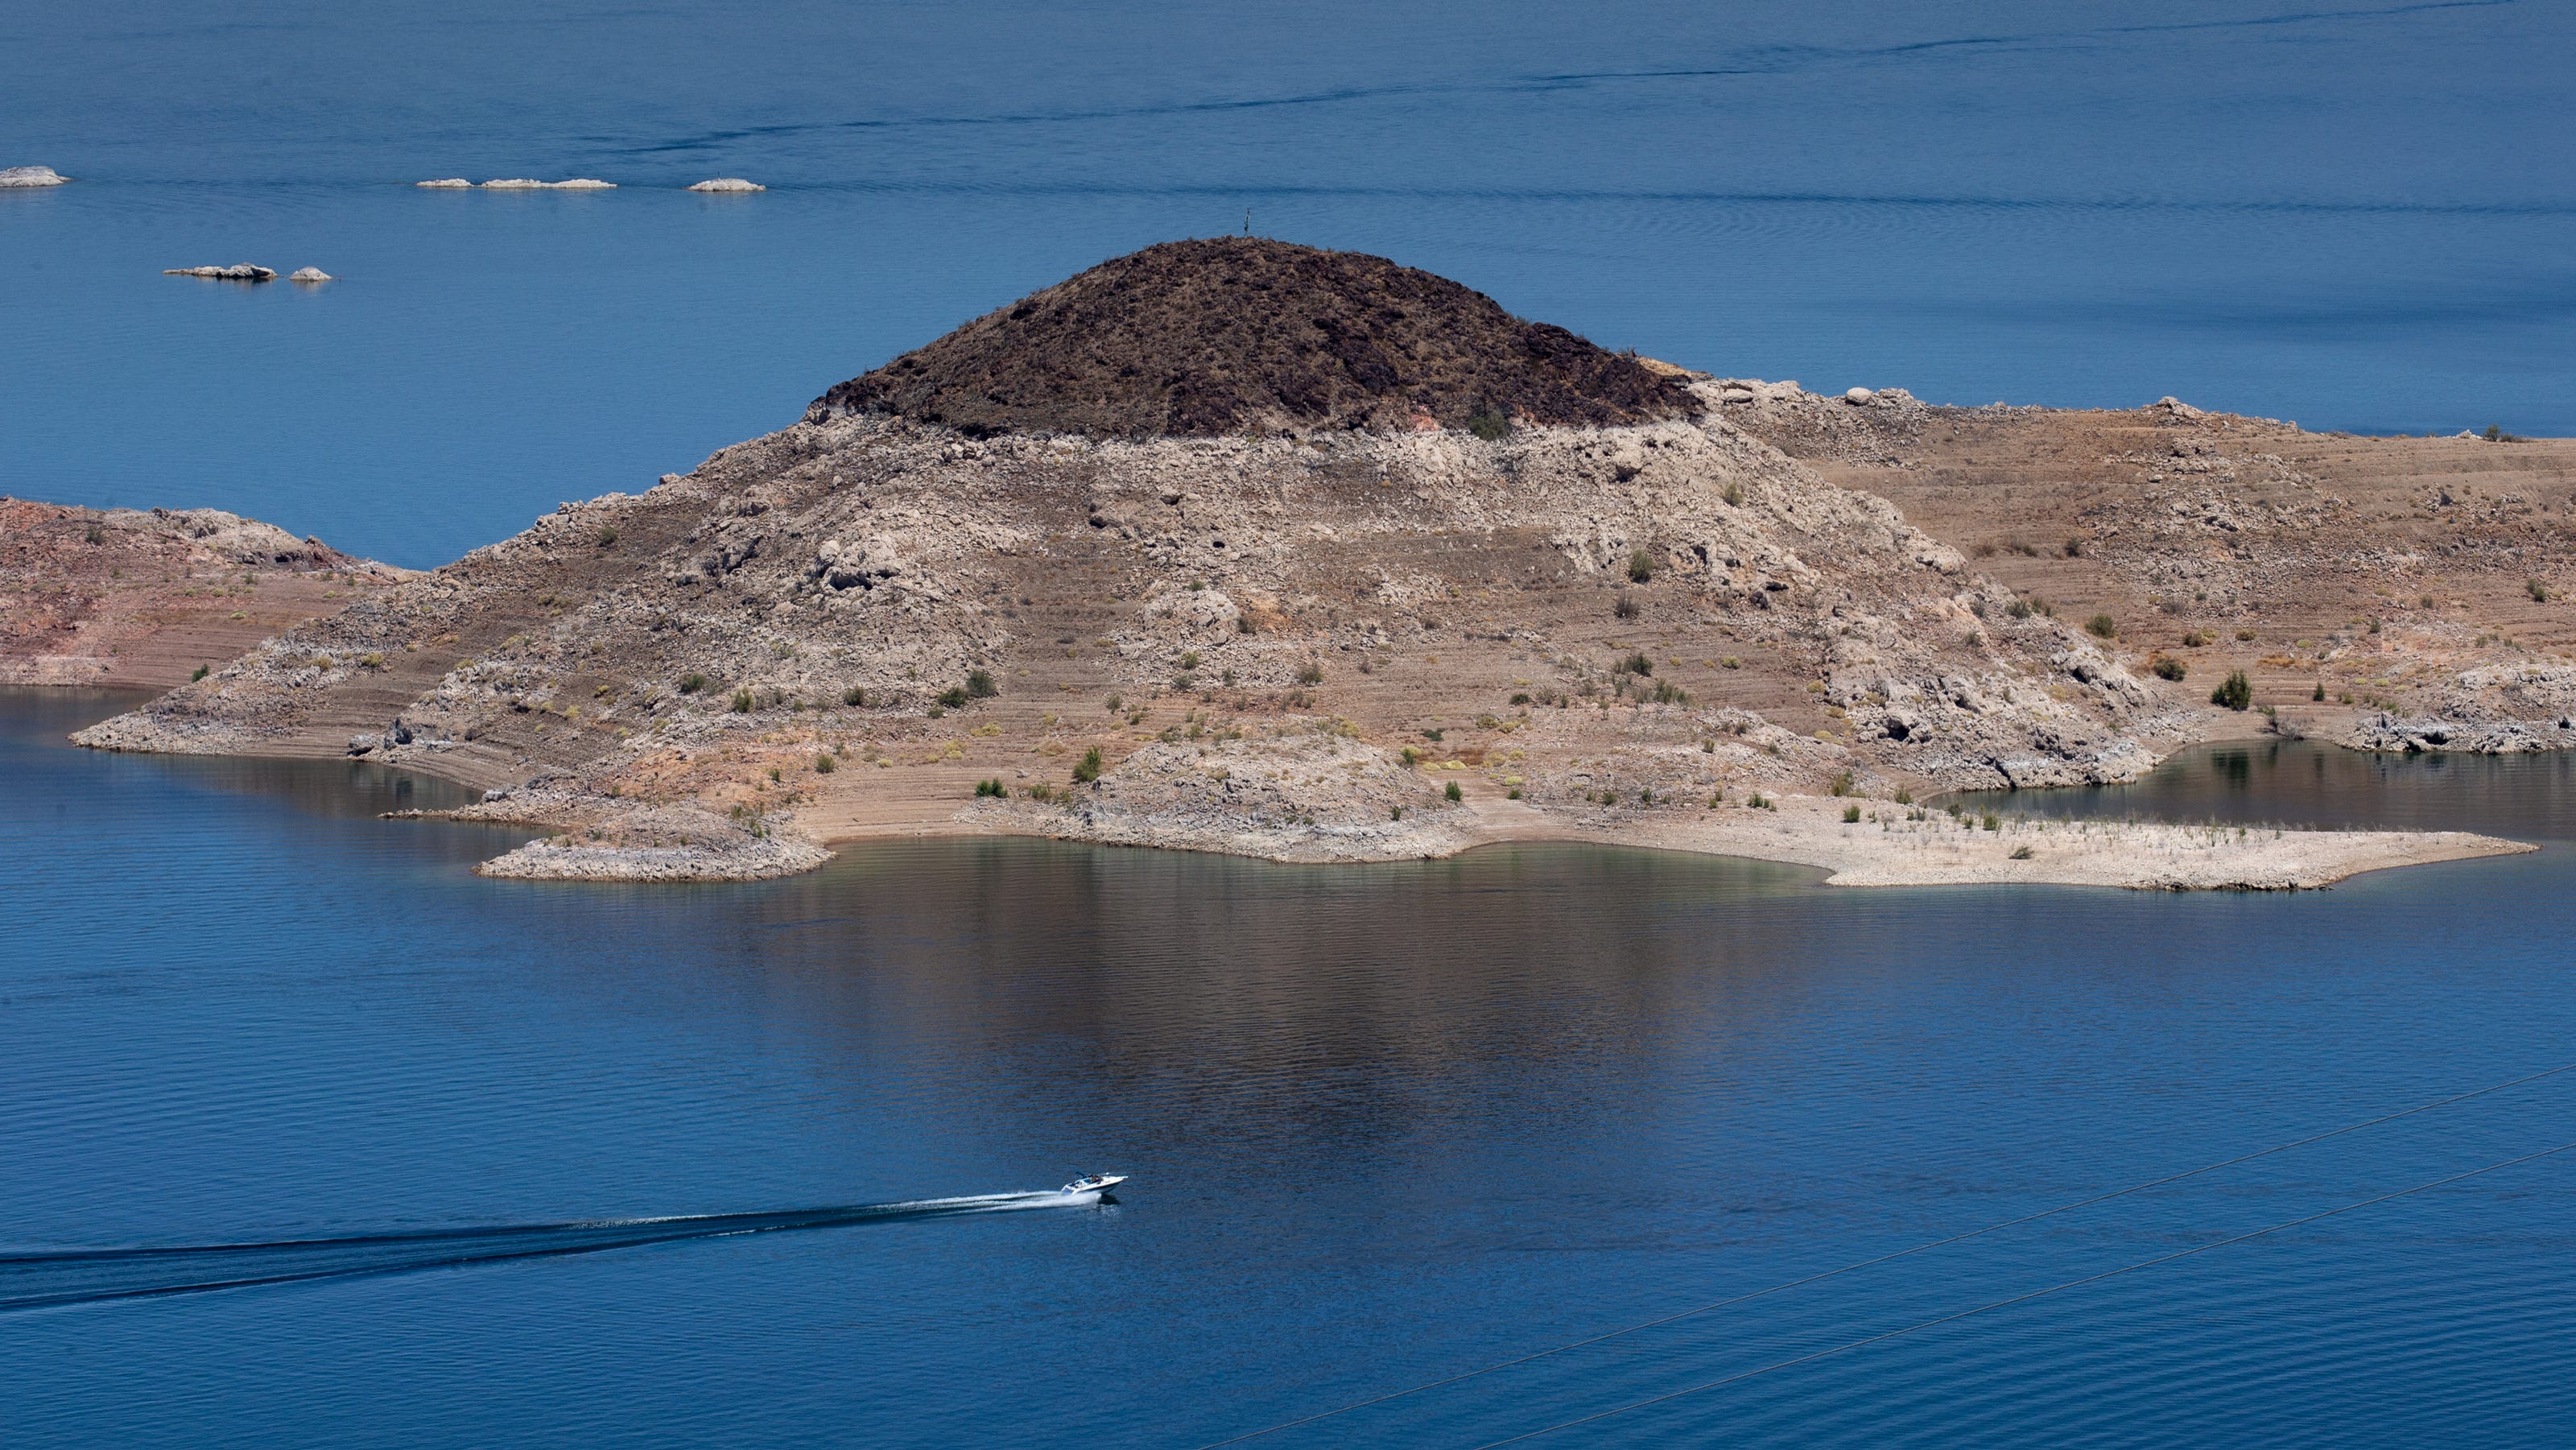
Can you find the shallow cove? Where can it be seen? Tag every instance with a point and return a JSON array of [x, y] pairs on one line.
[[1385, 1123]]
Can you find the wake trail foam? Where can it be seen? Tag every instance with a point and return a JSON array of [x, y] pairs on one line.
[[88, 1276]]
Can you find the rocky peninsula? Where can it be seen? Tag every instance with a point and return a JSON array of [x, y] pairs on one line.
[[1235, 545]]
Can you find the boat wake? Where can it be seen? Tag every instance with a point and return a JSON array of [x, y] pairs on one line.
[[50, 1278]]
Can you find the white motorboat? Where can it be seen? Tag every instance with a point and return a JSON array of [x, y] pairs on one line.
[[1095, 1183]]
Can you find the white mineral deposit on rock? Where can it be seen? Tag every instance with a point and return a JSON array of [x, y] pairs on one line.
[[16, 176], [728, 183], [447, 183], [309, 274], [237, 272]]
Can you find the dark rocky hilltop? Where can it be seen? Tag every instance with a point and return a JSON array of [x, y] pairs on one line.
[[1222, 335]]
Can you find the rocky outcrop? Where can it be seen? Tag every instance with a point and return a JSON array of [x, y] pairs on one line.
[[1218, 336], [447, 183], [525, 183], [28, 176], [727, 183], [2491, 710], [237, 272], [310, 275]]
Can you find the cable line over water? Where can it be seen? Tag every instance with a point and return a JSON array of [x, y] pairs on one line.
[[2019, 1299], [1858, 1264]]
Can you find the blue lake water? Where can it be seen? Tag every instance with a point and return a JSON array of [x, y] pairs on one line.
[[1386, 1124], [2357, 216]]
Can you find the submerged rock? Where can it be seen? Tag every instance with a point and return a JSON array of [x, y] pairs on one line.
[[237, 272], [310, 274], [447, 183], [728, 183], [31, 176], [526, 183]]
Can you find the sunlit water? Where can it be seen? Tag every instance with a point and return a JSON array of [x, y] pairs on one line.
[[2354, 216], [1385, 1124]]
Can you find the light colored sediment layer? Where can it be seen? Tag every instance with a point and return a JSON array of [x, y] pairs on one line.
[[602, 838]]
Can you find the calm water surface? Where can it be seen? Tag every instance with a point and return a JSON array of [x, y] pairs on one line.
[[2358, 216], [1386, 1124]]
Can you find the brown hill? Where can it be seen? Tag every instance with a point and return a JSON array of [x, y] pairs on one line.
[[1217, 336]]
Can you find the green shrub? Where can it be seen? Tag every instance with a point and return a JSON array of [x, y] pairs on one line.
[[1668, 693], [1087, 769], [2169, 668], [1842, 784], [1454, 793], [1734, 495], [607, 537], [1515, 793], [2321, 691], [202, 671], [690, 684], [2539, 592], [1851, 815], [1520, 697], [2102, 626], [1625, 606], [1992, 822], [1904, 797], [2193, 640], [1311, 673], [1395, 813], [992, 788], [1641, 567], [953, 698], [824, 764], [1189, 659], [2236, 693], [2023, 853], [742, 702], [1635, 664], [1489, 425], [855, 695], [980, 686]]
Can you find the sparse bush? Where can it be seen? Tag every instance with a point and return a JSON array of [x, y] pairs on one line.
[[855, 695], [1734, 495], [607, 537], [2023, 853], [1668, 693], [690, 684], [980, 686], [1087, 769], [2245, 636], [1454, 793], [1520, 697], [1732, 663], [2101, 626], [1489, 425], [2169, 668], [1625, 606], [1851, 815], [2539, 592], [1992, 822], [992, 788], [824, 764], [742, 702], [2193, 640], [2075, 548], [2236, 692], [2019, 609], [1641, 567], [1311, 673], [1636, 663], [1514, 793], [2321, 691], [1395, 813], [1189, 659], [953, 698], [1904, 797]]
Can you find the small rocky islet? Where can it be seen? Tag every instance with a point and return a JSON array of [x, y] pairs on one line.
[[1237, 545]]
